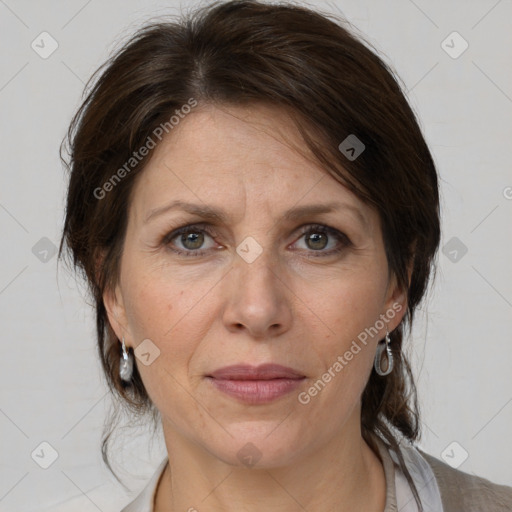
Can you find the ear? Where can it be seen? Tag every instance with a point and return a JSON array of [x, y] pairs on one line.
[[116, 312], [114, 305], [396, 299]]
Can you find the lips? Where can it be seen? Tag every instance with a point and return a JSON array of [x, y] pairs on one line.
[[256, 384], [262, 372]]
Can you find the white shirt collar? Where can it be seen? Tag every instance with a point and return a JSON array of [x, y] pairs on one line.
[[144, 502]]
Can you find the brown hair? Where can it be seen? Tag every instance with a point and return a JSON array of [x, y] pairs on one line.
[[333, 85]]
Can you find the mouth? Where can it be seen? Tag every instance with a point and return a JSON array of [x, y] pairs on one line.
[[256, 385]]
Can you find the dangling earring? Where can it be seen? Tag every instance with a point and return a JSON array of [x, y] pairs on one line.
[[384, 347], [126, 366]]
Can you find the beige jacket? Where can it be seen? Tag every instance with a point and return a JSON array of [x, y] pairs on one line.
[[462, 492], [458, 491]]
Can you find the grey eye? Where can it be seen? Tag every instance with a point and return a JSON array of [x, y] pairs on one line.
[[194, 239], [316, 241]]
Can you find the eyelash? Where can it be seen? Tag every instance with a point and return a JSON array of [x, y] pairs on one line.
[[205, 228]]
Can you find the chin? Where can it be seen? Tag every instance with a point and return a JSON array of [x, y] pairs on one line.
[[260, 447]]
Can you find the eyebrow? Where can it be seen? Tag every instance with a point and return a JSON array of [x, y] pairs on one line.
[[217, 214]]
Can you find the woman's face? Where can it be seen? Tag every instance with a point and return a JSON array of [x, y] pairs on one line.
[[263, 281]]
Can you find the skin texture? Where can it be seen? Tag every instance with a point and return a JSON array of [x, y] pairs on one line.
[[291, 306]]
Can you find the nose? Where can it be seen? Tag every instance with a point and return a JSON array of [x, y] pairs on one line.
[[258, 299]]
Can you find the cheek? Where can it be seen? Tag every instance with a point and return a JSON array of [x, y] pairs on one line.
[[347, 305], [151, 307], [157, 310], [161, 303], [175, 313]]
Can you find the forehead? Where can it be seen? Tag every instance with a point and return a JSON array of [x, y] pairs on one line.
[[236, 157]]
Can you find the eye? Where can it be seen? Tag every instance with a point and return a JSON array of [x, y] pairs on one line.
[[188, 240], [318, 237]]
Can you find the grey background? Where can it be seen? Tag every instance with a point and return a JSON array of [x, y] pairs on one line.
[[51, 389]]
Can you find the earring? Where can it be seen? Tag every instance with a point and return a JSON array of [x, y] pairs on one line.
[[126, 366], [381, 347]]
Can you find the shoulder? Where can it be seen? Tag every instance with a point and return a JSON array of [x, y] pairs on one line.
[[462, 492]]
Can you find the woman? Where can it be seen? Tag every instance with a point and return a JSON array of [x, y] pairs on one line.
[[256, 211]]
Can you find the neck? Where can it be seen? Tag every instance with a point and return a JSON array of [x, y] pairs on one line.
[[342, 475]]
